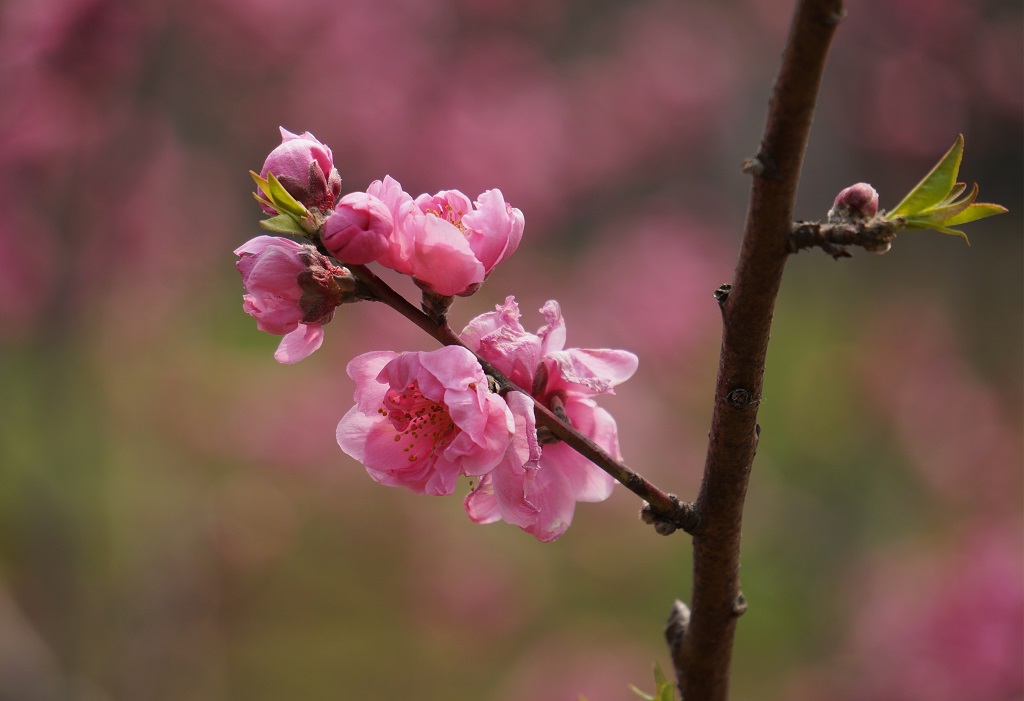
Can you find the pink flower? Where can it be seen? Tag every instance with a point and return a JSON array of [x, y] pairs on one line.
[[423, 419], [447, 243], [292, 291], [357, 231], [306, 169], [564, 380]]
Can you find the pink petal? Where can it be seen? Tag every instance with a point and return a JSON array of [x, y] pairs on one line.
[[404, 214], [260, 243], [453, 367], [552, 494], [300, 343], [443, 259], [501, 494], [588, 481], [480, 453], [364, 370], [481, 504], [494, 229], [499, 337], [553, 333], [595, 371]]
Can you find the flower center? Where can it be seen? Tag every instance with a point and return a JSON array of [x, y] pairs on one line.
[[450, 215], [424, 427]]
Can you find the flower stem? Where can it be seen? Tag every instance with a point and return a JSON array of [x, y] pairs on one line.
[[664, 510]]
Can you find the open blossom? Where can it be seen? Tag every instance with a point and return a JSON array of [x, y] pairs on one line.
[[306, 169], [446, 242], [358, 230], [542, 499], [292, 291], [423, 419]]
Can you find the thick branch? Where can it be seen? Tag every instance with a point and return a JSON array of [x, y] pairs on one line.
[[702, 659], [665, 511]]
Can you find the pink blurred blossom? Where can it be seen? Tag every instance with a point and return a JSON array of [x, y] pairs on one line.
[[466, 588], [946, 627], [423, 419], [668, 274], [306, 169], [600, 667], [28, 266], [664, 82], [947, 420], [291, 290], [564, 380], [359, 229]]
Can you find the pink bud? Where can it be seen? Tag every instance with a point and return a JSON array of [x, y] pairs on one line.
[[856, 202], [358, 230], [292, 291], [306, 169]]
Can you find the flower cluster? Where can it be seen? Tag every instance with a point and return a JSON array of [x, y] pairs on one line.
[[422, 420]]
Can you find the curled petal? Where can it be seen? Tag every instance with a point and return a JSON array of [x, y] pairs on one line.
[[300, 343], [501, 494], [494, 229], [594, 371], [553, 333]]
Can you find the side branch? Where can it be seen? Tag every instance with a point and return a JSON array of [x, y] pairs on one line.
[[665, 511], [702, 655], [875, 235]]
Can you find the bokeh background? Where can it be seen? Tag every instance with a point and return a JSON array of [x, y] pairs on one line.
[[176, 520]]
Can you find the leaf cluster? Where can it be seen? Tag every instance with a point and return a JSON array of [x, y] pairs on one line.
[[934, 204]]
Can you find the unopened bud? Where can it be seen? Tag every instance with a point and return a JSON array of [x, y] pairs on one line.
[[856, 203], [358, 230], [305, 167], [324, 287]]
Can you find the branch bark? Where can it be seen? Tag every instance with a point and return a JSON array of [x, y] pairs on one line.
[[875, 236], [702, 656]]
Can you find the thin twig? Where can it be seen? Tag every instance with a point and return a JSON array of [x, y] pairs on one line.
[[703, 658], [665, 511]]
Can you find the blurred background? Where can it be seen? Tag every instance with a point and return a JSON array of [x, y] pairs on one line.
[[176, 519]]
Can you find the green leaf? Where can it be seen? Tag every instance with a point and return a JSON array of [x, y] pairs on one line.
[[664, 689], [283, 224], [912, 223], [976, 211], [282, 200], [957, 190], [262, 201], [945, 212], [261, 183], [935, 187]]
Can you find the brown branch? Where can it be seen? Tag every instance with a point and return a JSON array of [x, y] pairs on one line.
[[663, 510], [875, 235], [702, 659]]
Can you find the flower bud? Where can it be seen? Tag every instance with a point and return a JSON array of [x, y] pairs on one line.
[[358, 230], [856, 203], [291, 291], [306, 169]]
